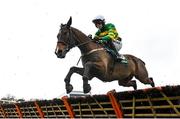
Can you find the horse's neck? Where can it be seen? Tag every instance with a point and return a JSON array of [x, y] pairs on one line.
[[84, 42], [91, 47]]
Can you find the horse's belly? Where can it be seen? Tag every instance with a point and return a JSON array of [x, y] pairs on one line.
[[106, 77]]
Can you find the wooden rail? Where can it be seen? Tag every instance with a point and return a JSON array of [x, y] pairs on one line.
[[161, 102]]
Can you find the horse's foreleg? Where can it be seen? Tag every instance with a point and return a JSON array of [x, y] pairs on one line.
[[72, 70], [87, 76], [86, 86]]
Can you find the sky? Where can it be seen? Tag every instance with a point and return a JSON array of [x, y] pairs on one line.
[[29, 69]]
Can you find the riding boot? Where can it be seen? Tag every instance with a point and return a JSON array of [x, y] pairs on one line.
[[119, 57]]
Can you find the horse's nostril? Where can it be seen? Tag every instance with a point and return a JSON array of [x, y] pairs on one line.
[[59, 54], [59, 51]]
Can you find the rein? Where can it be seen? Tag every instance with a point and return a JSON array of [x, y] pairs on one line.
[[70, 37], [71, 45], [91, 51], [84, 43]]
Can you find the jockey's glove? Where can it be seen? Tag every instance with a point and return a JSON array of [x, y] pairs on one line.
[[90, 36], [101, 41], [95, 38]]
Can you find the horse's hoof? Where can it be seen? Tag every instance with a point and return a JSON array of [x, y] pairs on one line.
[[135, 87], [134, 84], [69, 88], [86, 88], [152, 82]]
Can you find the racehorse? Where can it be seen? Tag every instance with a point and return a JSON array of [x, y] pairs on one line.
[[97, 62]]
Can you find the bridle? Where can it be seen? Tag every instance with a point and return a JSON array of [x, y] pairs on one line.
[[71, 43]]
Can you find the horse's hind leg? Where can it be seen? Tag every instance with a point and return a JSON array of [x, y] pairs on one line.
[[128, 82], [148, 80], [72, 70], [151, 81], [145, 79], [141, 74]]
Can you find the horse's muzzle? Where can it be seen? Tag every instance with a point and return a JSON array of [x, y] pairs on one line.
[[60, 54]]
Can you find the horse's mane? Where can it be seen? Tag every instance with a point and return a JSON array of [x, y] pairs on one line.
[[84, 37], [81, 34]]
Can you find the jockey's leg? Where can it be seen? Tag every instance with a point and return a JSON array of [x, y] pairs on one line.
[[119, 57], [112, 46]]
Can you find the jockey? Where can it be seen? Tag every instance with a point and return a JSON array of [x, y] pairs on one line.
[[108, 35]]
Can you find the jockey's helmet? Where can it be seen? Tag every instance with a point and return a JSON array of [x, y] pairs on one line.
[[99, 19]]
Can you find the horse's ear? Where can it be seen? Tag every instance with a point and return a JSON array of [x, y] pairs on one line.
[[69, 22], [61, 25]]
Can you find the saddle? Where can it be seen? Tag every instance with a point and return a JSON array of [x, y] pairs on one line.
[[113, 54], [110, 48], [110, 52]]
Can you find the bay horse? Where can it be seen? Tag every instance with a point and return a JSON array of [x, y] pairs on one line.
[[97, 62]]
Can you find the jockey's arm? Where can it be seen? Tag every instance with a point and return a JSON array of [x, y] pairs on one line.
[[110, 36], [96, 38]]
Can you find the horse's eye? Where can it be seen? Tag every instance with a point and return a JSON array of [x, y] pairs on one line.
[[65, 33]]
